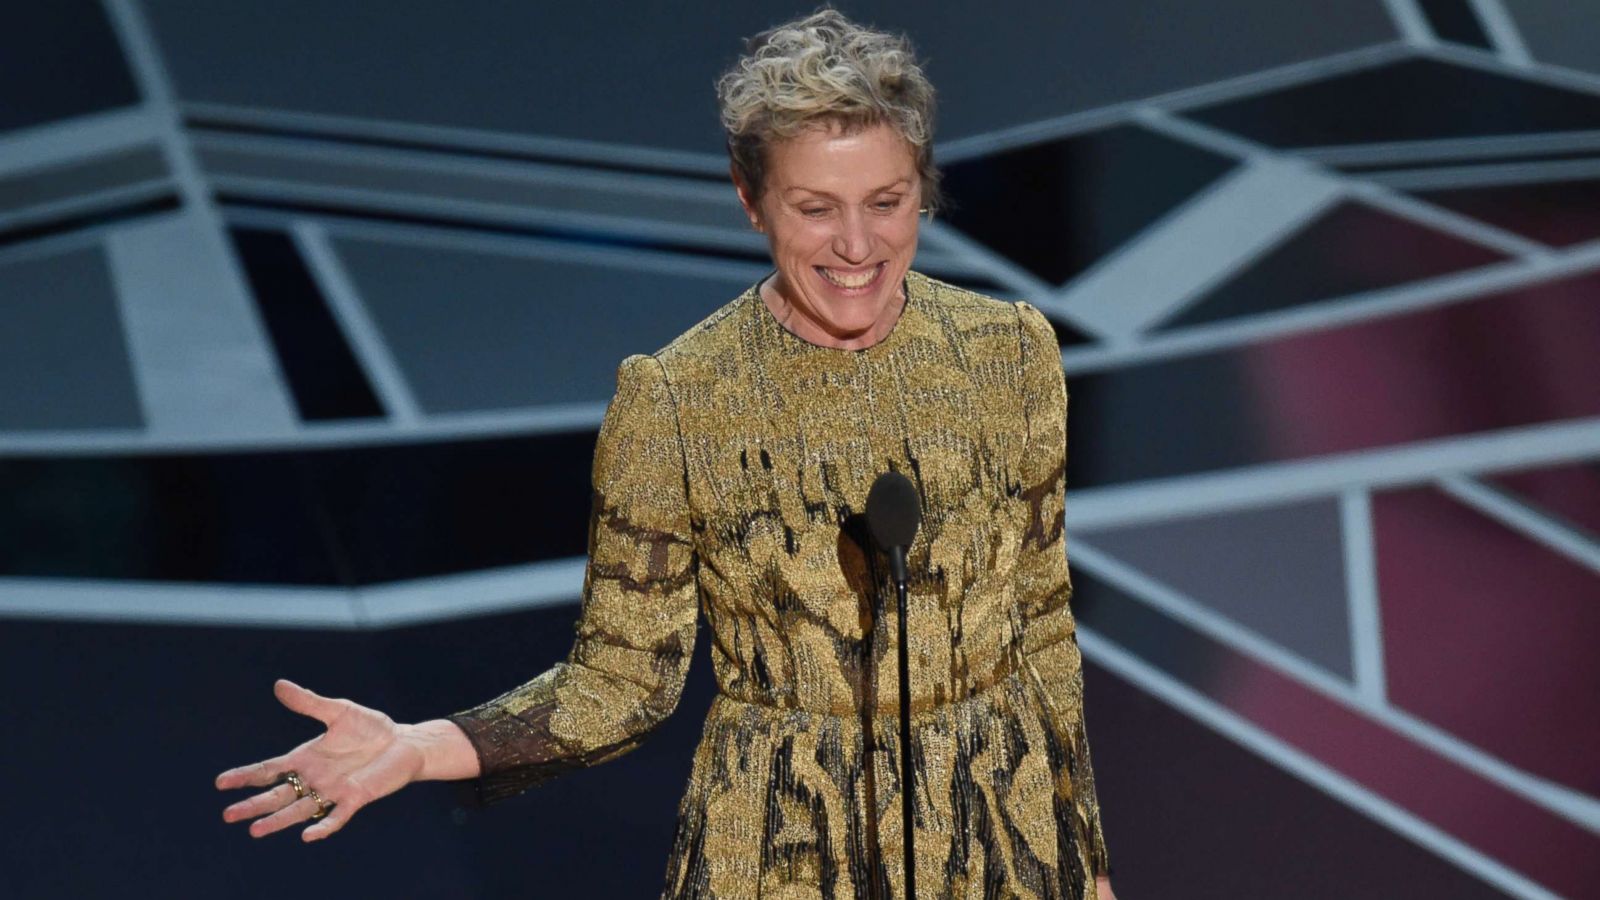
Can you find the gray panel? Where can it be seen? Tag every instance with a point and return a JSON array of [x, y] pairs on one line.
[[203, 362], [473, 331], [630, 196], [642, 73], [63, 363], [1278, 571], [1566, 32], [90, 176]]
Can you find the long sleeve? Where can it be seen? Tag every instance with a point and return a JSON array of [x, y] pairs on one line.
[[636, 629], [1043, 582]]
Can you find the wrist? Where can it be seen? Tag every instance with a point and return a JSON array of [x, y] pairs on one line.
[[442, 748]]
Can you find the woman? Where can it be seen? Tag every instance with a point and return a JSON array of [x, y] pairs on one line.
[[730, 473]]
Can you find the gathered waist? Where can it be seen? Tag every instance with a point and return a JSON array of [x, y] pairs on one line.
[[1010, 678]]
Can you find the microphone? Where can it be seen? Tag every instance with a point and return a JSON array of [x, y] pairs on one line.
[[893, 513]]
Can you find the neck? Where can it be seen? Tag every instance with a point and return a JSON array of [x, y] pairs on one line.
[[805, 328]]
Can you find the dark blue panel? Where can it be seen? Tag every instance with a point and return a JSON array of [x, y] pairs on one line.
[[63, 360], [1455, 20], [1056, 208], [321, 517], [1558, 213], [151, 812], [162, 518], [1410, 100], [59, 59], [642, 73], [322, 372]]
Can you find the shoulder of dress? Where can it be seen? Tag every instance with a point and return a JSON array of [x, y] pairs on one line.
[[950, 298], [716, 334]]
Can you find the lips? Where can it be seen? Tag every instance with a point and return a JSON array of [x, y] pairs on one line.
[[851, 281]]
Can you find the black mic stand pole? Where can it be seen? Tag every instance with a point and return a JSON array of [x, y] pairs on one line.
[[897, 561]]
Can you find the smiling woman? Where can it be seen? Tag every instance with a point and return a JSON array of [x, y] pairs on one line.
[[730, 477], [840, 211], [830, 144]]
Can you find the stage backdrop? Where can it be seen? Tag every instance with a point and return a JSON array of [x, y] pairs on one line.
[[309, 312]]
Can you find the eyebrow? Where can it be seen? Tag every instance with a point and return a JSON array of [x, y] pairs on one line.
[[877, 190]]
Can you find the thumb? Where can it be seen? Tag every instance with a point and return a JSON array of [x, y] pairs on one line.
[[305, 702]]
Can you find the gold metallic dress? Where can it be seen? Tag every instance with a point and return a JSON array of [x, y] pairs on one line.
[[730, 476]]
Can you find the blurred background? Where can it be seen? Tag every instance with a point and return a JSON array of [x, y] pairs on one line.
[[309, 313]]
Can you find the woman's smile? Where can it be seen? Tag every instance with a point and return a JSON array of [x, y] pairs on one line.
[[852, 282]]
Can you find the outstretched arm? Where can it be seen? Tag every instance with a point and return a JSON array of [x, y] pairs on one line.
[[635, 634], [624, 674]]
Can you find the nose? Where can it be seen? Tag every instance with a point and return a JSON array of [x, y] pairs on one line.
[[852, 242]]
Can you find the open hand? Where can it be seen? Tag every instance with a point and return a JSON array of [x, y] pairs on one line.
[[359, 758]]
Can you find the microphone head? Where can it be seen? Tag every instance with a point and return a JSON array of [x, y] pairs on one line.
[[893, 510]]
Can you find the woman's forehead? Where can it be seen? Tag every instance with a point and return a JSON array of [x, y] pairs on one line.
[[840, 161]]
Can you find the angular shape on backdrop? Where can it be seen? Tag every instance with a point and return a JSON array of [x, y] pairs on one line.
[[1560, 32], [1556, 213], [64, 362], [1350, 249], [1409, 100], [1455, 21], [73, 181], [347, 516], [475, 330], [1277, 570], [1159, 771], [1517, 357], [59, 60], [1489, 634], [327, 381], [1055, 208], [1569, 492], [1490, 819]]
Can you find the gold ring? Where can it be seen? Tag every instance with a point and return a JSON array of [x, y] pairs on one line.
[[293, 779], [322, 805]]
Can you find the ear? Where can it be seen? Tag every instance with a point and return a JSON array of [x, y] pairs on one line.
[[745, 198]]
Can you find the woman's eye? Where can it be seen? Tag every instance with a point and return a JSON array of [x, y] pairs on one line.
[[814, 212], [886, 205]]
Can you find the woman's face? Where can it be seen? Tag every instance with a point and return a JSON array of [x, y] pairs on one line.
[[840, 212]]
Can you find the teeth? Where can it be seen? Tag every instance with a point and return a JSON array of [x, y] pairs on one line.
[[851, 281]]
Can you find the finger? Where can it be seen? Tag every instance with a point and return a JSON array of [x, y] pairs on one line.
[[340, 814], [294, 813], [307, 702], [259, 774], [261, 804]]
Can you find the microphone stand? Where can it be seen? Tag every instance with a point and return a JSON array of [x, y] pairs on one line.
[[894, 510], [897, 556]]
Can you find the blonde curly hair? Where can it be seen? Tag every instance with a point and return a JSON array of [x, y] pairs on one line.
[[823, 69]]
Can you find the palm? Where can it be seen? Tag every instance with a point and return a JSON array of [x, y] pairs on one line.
[[357, 760]]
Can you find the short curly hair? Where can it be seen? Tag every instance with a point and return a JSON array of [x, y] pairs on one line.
[[823, 69]]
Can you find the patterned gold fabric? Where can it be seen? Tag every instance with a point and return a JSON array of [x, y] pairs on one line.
[[729, 478]]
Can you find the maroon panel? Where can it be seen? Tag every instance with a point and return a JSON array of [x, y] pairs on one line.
[[1189, 813], [1490, 634], [1520, 357], [1350, 249], [1496, 822], [1571, 492]]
